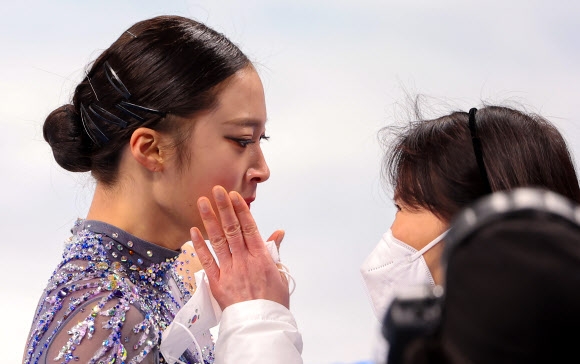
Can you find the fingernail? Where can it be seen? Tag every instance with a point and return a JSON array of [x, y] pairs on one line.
[[203, 205], [234, 197], [219, 194], [195, 234]]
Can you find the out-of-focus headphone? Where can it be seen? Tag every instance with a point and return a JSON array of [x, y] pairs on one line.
[[418, 313]]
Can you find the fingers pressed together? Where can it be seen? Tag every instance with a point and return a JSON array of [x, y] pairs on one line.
[[246, 270]]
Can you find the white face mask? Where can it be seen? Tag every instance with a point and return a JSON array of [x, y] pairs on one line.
[[393, 266], [201, 313]]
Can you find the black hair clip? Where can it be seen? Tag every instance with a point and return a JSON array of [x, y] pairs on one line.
[[116, 81], [99, 113], [124, 105], [129, 112], [92, 130], [110, 118]]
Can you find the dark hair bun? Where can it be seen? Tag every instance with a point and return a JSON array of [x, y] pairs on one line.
[[71, 146]]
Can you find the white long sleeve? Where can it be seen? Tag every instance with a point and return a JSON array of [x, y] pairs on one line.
[[258, 331]]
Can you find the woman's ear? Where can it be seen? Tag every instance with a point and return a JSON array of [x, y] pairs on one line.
[[144, 145]]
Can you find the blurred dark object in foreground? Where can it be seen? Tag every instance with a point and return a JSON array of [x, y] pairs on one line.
[[512, 287]]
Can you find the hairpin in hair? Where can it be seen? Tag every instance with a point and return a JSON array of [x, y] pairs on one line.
[[115, 81], [124, 105], [477, 149], [101, 114], [92, 130], [110, 118], [91, 84], [131, 34], [129, 112]]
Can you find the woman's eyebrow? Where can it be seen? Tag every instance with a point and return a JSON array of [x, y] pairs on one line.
[[246, 122]]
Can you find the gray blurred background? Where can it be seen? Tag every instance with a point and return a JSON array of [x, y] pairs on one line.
[[334, 72]]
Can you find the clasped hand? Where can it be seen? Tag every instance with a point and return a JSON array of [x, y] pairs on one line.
[[246, 270]]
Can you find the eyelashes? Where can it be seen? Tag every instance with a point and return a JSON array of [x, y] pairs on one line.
[[244, 142]]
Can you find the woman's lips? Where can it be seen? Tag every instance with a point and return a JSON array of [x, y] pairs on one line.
[[249, 201]]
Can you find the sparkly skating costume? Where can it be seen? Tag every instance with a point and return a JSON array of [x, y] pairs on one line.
[[108, 301]]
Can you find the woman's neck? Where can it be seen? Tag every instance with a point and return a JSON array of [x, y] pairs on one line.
[[132, 209]]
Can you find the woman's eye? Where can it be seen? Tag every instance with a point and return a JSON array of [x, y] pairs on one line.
[[242, 141], [398, 207]]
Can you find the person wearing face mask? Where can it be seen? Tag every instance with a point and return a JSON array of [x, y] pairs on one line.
[[437, 167], [511, 261]]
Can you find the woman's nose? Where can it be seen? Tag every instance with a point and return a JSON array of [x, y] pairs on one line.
[[259, 171]]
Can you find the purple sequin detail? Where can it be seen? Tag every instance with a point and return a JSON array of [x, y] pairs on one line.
[[88, 273]]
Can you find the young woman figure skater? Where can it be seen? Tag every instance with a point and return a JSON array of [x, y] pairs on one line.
[[169, 110]]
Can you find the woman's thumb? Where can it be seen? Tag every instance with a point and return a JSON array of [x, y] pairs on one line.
[[277, 236]]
